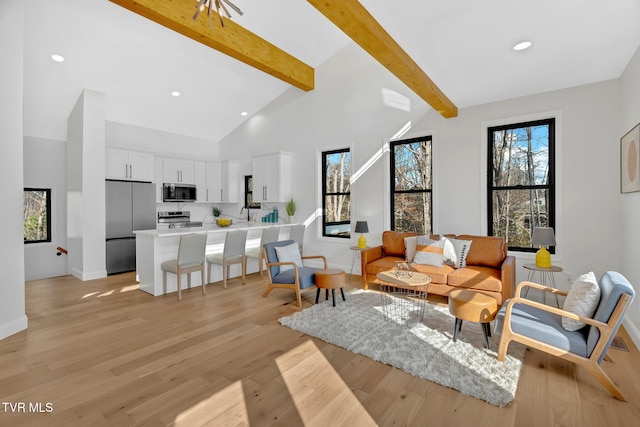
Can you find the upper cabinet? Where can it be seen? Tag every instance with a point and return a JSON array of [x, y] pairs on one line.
[[178, 171], [222, 182], [129, 165], [272, 178]]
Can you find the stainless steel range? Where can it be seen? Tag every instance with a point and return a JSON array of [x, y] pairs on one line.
[[177, 219]]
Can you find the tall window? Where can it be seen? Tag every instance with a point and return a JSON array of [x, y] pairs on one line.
[[521, 181], [248, 193], [37, 215], [336, 193], [411, 185]]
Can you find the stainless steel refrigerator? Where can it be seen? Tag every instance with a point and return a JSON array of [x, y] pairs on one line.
[[129, 206]]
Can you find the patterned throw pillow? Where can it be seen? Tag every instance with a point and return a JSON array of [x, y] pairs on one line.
[[583, 299], [455, 252], [429, 252], [289, 253]]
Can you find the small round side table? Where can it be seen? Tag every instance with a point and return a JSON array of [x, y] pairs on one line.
[[355, 251], [546, 278]]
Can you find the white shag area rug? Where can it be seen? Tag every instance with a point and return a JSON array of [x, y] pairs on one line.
[[421, 348]]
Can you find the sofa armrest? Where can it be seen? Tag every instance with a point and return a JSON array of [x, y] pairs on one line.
[[508, 276], [367, 256]]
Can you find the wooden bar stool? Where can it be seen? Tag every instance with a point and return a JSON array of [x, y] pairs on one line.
[[474, 307]]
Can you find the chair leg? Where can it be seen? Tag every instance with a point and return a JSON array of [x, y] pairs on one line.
[[342, 292], [485, 339], [225, 273], [266, 292], [164, 281], [333, 296], [596, 370], [179, 275], [298, 297], [260, 259], [456, 328], [204, 291], [208, 266], [317, 295], [244, 270], [504, 345]]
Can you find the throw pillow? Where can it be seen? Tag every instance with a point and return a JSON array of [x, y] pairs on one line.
[[429, 254], [289, 253], [583, 299], [455, 252], [409, 248]]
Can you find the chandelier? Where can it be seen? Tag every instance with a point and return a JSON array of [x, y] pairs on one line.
[[220, 7]]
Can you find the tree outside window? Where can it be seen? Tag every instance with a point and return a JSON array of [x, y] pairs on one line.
[[37, 215], [336, 193], [411, 183], [521, 193]]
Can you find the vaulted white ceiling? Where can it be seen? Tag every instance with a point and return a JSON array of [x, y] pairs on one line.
[[464, 46]]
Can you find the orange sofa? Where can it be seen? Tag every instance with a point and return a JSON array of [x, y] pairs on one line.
[[489, 269]]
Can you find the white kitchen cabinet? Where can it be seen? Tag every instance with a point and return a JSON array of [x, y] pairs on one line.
[[222, 182], [230, 181], [178, 171], [272, 178], [200, 176], [158, 179], [129, 165]]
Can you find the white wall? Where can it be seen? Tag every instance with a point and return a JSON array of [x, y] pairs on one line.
[[85, 187], [346, 110], [132, 137], [12, 301], [630, 224], [45, 166]]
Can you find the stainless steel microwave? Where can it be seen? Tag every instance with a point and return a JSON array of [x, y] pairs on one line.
[[178, 192]]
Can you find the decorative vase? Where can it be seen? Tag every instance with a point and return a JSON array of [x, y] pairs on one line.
[[290, 219]]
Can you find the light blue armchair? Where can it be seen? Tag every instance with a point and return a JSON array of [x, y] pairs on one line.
[[296, 278], [540, 326]]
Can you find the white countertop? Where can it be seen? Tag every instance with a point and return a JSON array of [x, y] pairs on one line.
[[209, 228]]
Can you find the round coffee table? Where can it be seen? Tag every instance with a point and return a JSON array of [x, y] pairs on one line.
[[402, 295], [330, 278], [474, 307]]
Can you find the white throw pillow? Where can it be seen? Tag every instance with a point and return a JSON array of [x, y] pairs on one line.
[[455, 252], [289, 253], [429, 253], [583, 299], [409, 248]]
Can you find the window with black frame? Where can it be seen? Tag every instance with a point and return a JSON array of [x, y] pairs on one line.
[[411, 182], [336, 193], [248, 193], [521, 181], [37, 215]]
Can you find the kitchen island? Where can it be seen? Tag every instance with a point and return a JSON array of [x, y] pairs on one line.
[[153, 247]]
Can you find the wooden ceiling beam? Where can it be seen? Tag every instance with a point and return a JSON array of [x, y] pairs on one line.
[[232, 39], [357, 23]]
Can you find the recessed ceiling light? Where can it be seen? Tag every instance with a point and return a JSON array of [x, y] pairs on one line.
[[175, 93], [522, 45], [244, 113], [57, 58]]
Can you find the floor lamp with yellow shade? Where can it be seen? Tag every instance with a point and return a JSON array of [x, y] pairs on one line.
[[543, 237]]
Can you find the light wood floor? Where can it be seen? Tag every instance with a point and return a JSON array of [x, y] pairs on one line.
[[105, 353]]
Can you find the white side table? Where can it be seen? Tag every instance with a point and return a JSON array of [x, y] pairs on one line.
[[356, 250], [546, 278]]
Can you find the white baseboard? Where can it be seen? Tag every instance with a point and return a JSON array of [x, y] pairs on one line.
[[13, 326], [88, 276]]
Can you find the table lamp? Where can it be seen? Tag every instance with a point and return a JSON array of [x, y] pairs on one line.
[[362, 227], [543, 237]]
